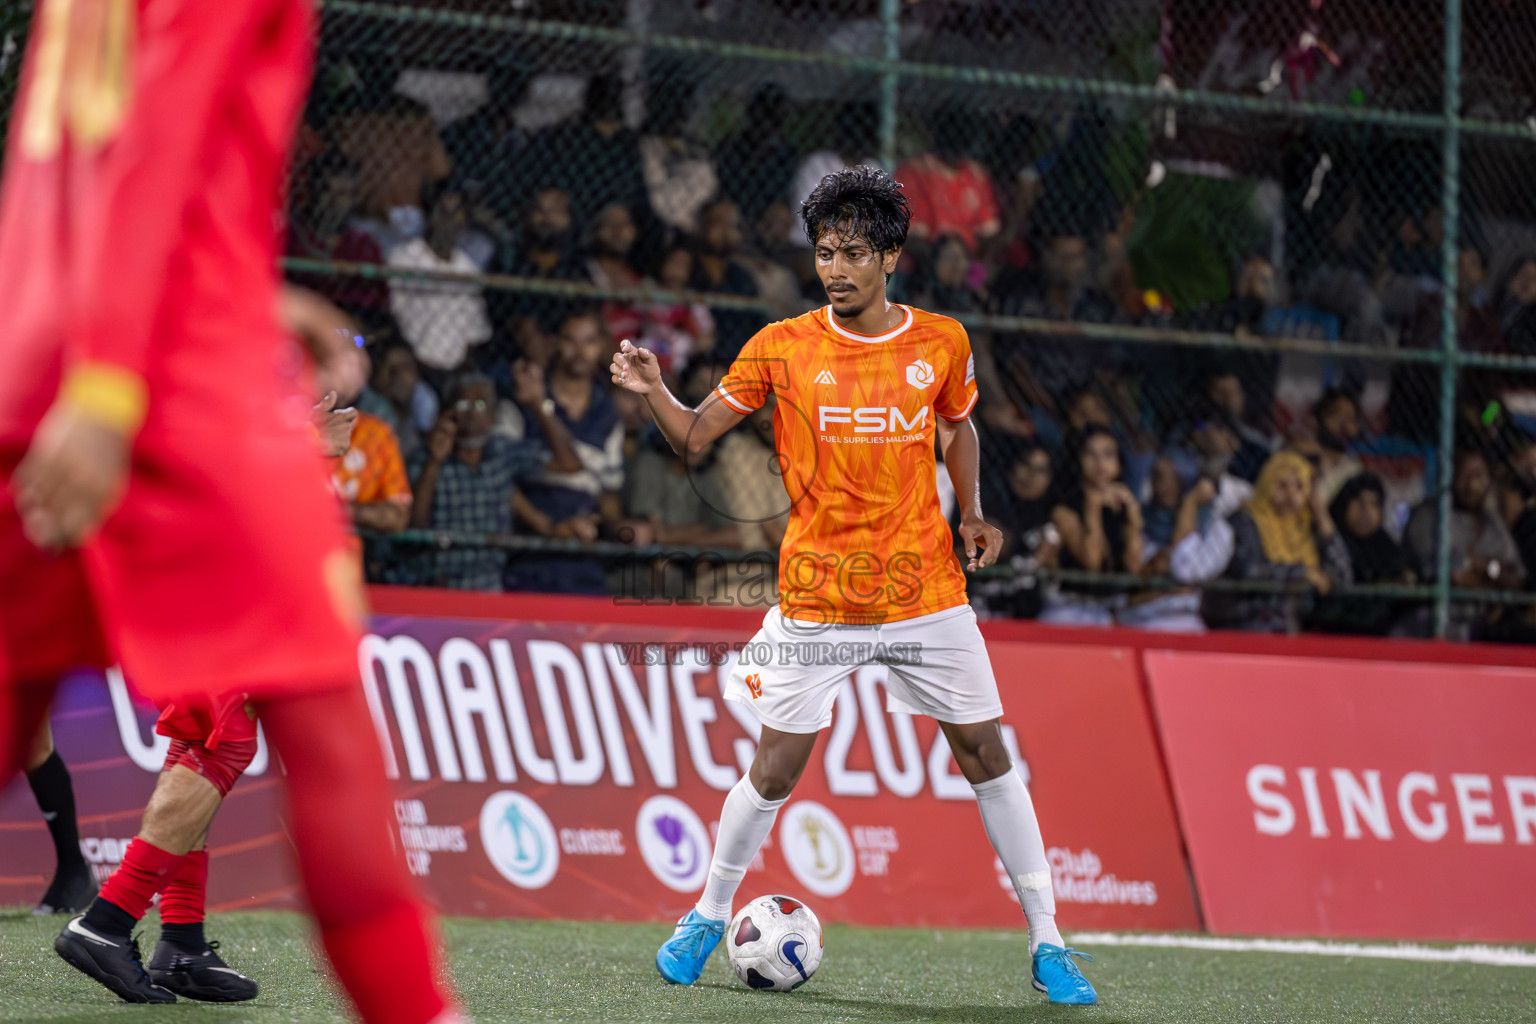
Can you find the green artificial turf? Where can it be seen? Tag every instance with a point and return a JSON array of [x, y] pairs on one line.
[[536, 971]]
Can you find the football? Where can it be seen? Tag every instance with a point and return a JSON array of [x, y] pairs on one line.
[[774, 943]]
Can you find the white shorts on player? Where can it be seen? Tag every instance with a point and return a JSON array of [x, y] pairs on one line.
[[789, 673]]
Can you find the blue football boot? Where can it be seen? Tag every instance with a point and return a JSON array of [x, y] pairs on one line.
[[681, 958], [1054, 973]]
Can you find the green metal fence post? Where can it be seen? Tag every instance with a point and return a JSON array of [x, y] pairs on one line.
[[1451, 166], [890, 17]]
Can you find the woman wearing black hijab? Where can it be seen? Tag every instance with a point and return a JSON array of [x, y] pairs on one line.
[[1358, 512]]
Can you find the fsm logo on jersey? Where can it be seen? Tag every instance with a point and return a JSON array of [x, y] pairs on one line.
[[674, 843], [817, 847], [519, 841]]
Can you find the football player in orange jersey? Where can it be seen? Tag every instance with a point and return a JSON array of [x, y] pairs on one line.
[[863, 386]]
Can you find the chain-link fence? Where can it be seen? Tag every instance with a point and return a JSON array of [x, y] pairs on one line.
[[1208, 231]]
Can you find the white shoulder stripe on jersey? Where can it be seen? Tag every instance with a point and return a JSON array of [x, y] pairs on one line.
[[887, 336], [964, 412], [733, 403]]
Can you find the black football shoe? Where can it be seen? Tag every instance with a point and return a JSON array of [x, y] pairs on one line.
[[69, 892], [113, 962], [203, 976]]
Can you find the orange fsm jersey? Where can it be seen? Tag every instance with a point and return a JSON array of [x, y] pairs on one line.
[[854, 426]]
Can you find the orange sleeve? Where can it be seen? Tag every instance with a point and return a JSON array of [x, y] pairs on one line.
[[957, 396], [750, 379], [386, 479]]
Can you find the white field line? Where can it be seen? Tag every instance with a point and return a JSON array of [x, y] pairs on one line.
[[1500, 956]]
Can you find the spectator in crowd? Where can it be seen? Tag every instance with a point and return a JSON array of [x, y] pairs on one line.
[[1336, 418], [1515, 305], [1023, 507], [398, 396], [752, 479], [1178, 542], [441, 320], [677, 331], [595, 160], [684, 503], [579, 501], [1283, 535], [548, 251], [323, 230], [370, 478], [948, 285], [466, 481], [399, 157], [1100, 526], [609, 265], [776, 283], [1243, 313], [548, 247], [757, 161], [1517, 501], [679, 173], [1060, 290], [950, 194], [717, 269], [1210, 451], [1226, 391], [852, 143], [1483, 553], [1374, 557], [489, 148]]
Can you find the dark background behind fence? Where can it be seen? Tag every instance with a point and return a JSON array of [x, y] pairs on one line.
[[1214, 229]]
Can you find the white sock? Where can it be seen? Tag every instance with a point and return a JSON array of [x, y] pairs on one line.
[[745, 821], [1009, 816]]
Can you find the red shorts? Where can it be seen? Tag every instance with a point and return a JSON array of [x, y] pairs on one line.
[[48, 622], [224, 570], [217, 740]]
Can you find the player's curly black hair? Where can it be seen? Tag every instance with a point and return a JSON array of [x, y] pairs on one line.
[[860, 202]]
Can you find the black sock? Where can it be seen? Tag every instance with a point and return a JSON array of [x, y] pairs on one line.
[[186, 937], [109, 920], [56, 799]]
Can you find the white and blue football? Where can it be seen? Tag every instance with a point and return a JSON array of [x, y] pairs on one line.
[[774, 943]]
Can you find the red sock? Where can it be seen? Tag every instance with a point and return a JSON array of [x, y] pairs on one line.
[[185, 899], [143, 872]]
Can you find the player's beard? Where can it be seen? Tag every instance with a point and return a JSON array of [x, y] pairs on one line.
[[848, 306]]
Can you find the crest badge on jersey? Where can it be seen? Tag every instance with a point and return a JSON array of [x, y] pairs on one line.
[[825, 377], [920, 374]]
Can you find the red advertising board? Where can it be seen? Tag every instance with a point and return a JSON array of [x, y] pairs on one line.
[[575, 767], [1354, 798]]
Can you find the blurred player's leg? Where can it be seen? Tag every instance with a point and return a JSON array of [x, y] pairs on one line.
[[72, 885], [376, 933]]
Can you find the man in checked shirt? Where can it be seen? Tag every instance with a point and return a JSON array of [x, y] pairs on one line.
[[468, 477]]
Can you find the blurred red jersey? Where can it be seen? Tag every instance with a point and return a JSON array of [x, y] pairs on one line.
[[138, 217]]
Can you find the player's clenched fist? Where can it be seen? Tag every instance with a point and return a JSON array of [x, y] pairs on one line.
[[635, 369]]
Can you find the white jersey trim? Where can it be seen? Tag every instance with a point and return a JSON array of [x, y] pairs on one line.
[[964, 412], [853, 336], [731, 401]]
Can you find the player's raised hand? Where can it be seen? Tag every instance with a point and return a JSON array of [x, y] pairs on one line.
[[979, 534], [635, 369], [72, 476]]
